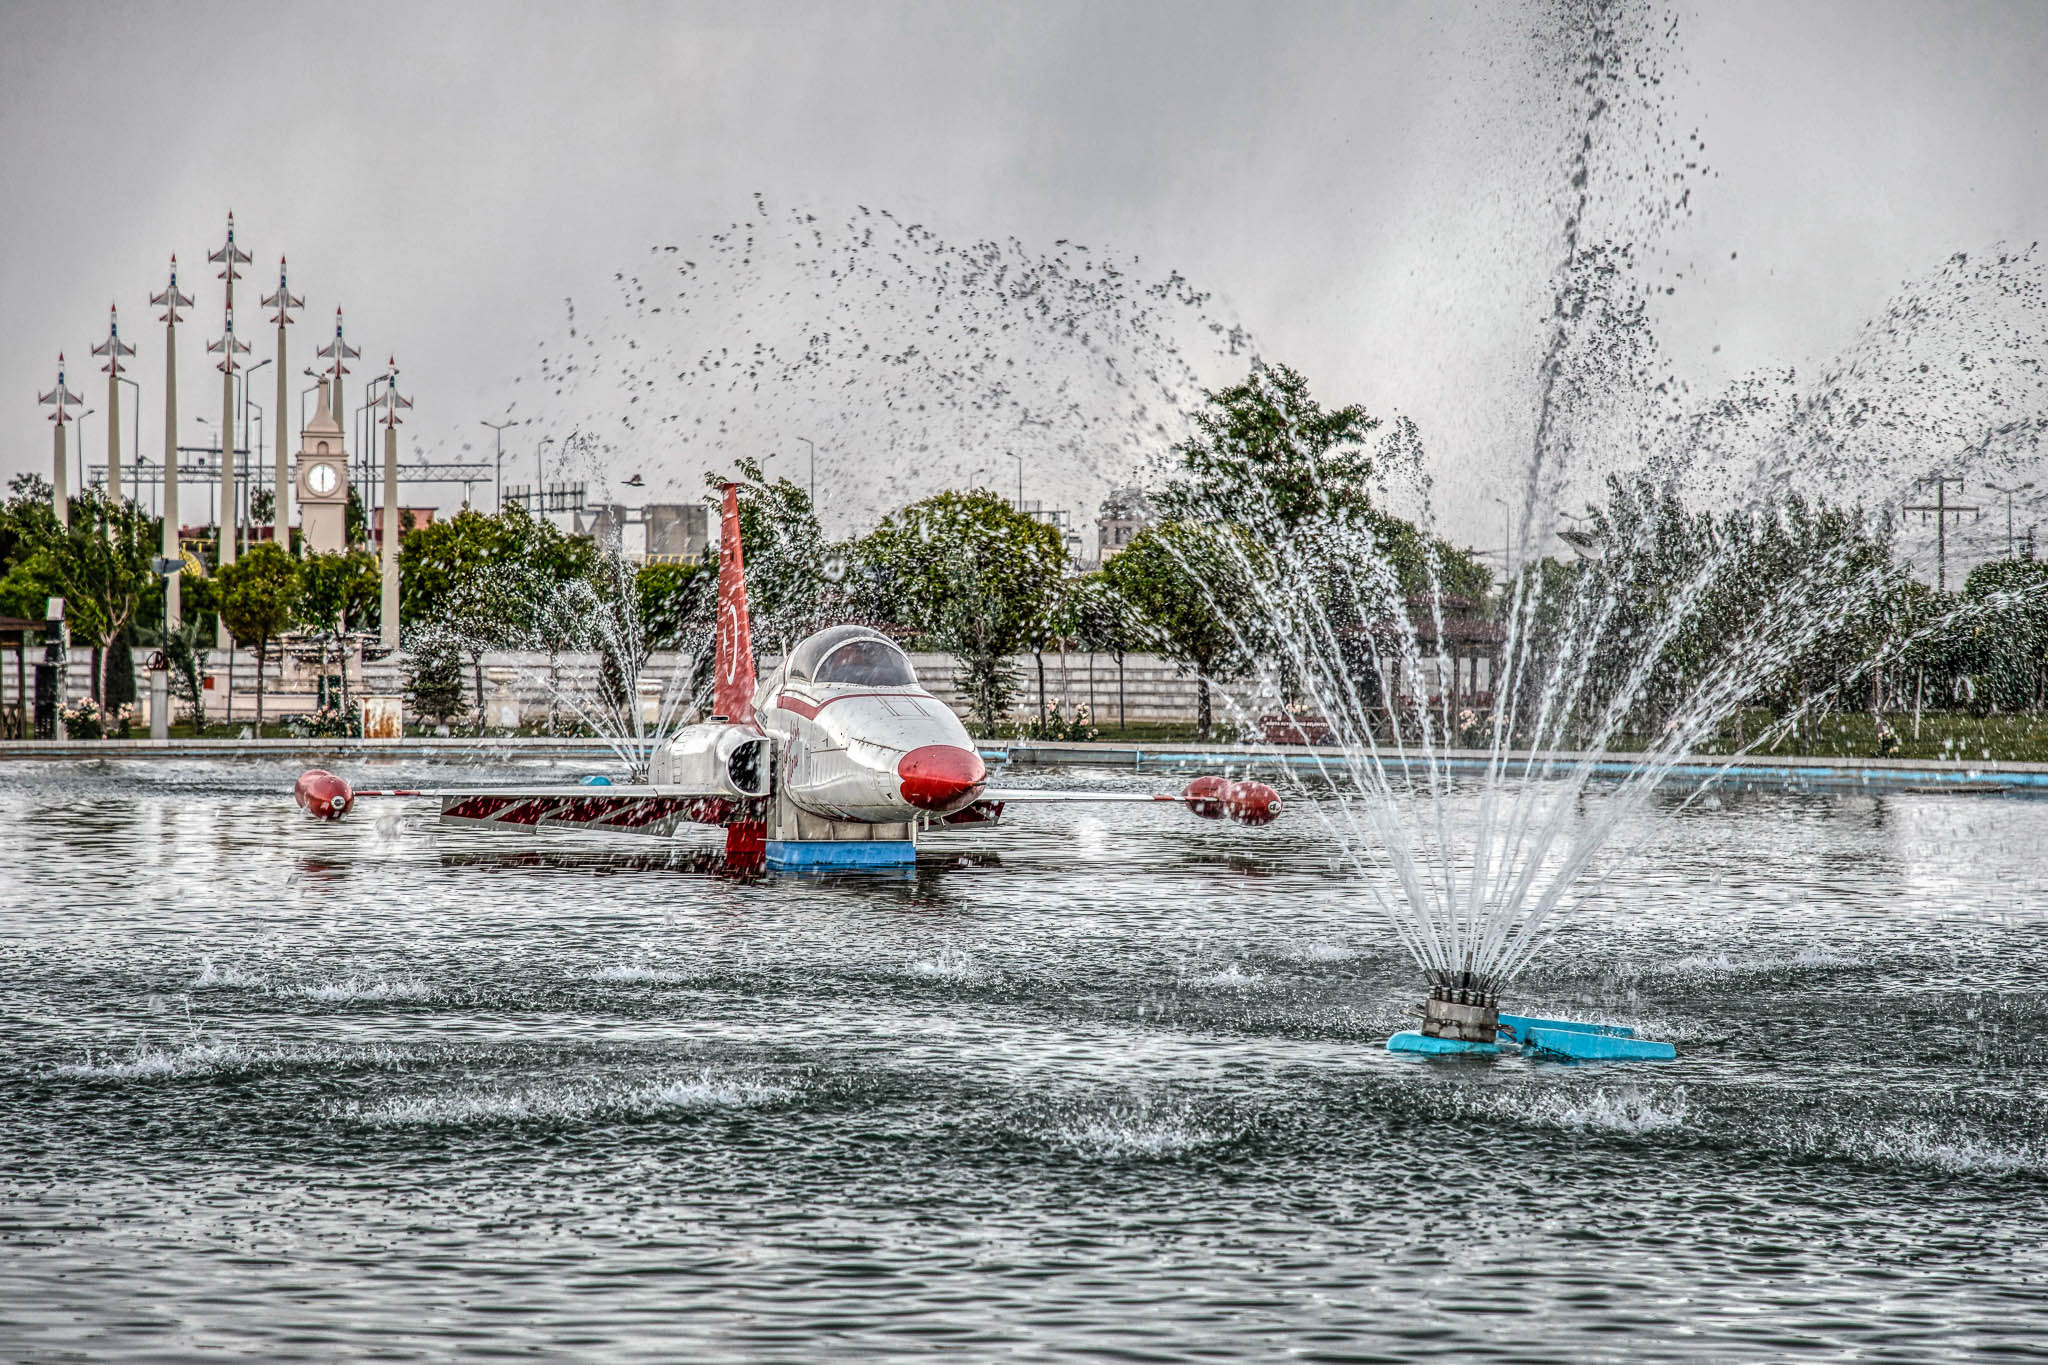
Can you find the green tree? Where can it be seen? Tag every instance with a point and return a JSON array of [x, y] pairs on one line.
[[2009, 599], [1189, 583], [186, 652], [339, 593], [259, 595], [100, 565], [1103, 622], [678, 610], [973, 576], [355, 521], [433, 676], [1267, 454], [484, 581]]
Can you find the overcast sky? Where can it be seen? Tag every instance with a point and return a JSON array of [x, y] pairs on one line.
[[1364, 187]]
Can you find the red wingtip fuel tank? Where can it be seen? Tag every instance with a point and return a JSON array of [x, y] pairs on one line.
[[1248, 803], [1252, 803], [320, 793], [1205, 796]]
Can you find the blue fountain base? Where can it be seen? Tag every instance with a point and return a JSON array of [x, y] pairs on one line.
[[1549, 1039], [1415, 1041], [826, 855]]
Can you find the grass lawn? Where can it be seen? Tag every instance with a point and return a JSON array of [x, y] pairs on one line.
[[1943, 734]]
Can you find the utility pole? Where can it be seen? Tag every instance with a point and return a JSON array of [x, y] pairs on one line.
[[173, 547], [388, 635], [113, 348], [498, 430], [284, 301], [1942, 510], [60, 398], [2009, 492], [227, 258]]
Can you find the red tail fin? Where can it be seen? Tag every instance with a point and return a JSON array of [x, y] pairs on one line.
[[733, 669]]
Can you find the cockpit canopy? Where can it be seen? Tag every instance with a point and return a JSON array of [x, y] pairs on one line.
[[851, 656]]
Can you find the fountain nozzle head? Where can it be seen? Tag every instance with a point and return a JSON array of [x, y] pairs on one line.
[[1466, 1010]]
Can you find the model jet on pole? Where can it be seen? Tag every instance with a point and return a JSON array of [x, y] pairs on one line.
[[838, 759]]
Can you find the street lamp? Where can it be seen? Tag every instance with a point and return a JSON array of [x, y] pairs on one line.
[[1507, 538], [318, 379], [211, 519], [243, 489], [498, 432], [248, 373], [366, 430], [247, 406], [80, 419], [814, 472], [137, 432], [539, 474], [1020, 481]]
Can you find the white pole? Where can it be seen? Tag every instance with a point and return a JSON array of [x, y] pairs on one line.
[[388, 635], [60, 481]]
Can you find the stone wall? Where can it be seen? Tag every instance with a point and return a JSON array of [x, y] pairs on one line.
[[1153, 691]]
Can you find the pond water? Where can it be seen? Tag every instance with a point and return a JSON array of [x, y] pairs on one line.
[[1101, 1082]]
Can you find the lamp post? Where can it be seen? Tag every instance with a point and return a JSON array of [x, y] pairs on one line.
[[498, 431], [248, 493], [539, 475], [814, 472], [1507, 537], [135, 432], [80, 419], [1020, 482], [207, 422], [366, 428], [252, 414], [318, 381]]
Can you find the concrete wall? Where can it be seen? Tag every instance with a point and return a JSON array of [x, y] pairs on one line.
[[1154, 692]]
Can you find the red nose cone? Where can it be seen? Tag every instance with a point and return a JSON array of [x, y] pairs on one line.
[[940, 778], [320, 793]]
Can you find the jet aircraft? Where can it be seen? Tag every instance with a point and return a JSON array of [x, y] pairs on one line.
[[837, 759]]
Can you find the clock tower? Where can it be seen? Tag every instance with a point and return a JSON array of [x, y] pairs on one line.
[[323, 483]]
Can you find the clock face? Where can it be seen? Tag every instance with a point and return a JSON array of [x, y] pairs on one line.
[[322, 479]]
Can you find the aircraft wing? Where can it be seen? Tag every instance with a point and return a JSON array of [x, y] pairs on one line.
[[636, 809], [1022, 795], [1247, 802]]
